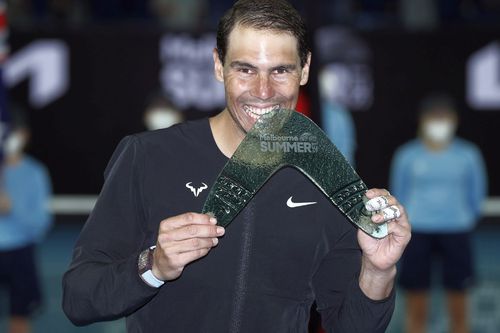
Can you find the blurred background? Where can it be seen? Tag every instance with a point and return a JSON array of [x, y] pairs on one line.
[[86, 70]]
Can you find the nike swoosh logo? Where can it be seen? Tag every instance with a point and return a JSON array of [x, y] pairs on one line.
[[292, 204]]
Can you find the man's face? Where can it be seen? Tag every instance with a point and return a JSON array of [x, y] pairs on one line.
[[261, 72]]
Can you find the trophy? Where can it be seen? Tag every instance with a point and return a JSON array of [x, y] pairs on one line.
[[286, 138]]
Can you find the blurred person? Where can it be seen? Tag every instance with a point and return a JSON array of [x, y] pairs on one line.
[[116, 10], [33, 13], [20, 13], [441, 179], [161, 113], [336, 120], [180, 15], [24, 220], [419, 14], [146, 255]]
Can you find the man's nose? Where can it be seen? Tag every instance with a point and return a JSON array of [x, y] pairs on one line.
[[263, 87]]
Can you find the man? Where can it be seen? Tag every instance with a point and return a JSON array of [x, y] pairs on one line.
[[24, 220], [442, 180], [263, 274]]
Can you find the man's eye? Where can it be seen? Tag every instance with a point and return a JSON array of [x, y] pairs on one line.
[[245, 70], [281, 71]]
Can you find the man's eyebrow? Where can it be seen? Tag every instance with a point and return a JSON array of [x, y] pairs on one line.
[[290, 67], [242, 64]]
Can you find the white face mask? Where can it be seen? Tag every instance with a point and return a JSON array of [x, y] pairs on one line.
[[161, 118], [439, 131], [14, 144]]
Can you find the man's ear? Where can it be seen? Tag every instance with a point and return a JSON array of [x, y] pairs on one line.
[[218, 66], [304, 76]]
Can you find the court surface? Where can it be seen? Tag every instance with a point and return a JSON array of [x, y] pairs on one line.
[[55, 252]]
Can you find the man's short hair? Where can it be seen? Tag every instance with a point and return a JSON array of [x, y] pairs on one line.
[[437, 103], [276, 15]]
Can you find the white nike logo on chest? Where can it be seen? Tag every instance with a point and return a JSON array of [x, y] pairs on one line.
[[292, 204]]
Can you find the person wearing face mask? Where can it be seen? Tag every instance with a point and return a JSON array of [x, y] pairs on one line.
[[25, 189], [161, 113], [336, 119], [442, 181]]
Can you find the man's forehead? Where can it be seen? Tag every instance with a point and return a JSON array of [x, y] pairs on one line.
[[259, 43]]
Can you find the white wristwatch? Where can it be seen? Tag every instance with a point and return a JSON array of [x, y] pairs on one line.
[[145, 264]]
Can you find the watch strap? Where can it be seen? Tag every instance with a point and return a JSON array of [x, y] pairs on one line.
[[145, 265]]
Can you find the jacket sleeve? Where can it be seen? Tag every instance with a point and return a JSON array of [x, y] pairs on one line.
[[341, 302], [102, 282]]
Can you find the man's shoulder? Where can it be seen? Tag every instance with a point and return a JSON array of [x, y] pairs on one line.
[[188, 130], [193, 135]]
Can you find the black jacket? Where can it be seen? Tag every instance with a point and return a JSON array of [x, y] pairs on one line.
[[263, 276]]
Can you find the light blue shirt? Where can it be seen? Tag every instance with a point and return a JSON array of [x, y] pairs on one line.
[[339, 127], [28, 186], [442, 191]]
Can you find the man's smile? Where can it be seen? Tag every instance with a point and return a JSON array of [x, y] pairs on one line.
[[256, 112]]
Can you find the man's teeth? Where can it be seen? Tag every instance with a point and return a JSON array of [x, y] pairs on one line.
[[257, 112]]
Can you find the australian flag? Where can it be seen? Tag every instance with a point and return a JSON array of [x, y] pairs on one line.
[[4, 51]]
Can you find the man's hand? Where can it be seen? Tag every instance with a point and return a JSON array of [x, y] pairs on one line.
[[182, 239], [380, 256]]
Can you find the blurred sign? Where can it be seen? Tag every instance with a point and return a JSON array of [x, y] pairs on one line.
[[483, 78], [187, 74], [45, 63], [112, 72], [345, 68]]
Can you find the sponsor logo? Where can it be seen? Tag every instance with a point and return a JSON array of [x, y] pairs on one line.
[[483, 78], [292, 204], [196, 190], [45, 63], [306, 143], [187, 74]]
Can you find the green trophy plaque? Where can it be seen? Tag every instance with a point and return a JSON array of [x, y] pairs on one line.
[[287, 138]]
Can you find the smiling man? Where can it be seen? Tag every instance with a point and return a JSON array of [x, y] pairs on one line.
[[145, 253]]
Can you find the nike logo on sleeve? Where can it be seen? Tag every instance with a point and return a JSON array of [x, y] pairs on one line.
[[292, 204]]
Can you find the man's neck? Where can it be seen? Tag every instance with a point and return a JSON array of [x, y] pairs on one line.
[[227, 134]]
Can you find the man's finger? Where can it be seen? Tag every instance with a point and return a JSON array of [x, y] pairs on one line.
[[377, 192], [179, 221], [391, 213], [387, 214], [400, 230], [187, 257], [379, 203], [192, 231], [189, 245]]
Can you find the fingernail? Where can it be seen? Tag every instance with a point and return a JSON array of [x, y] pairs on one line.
[[377, 218], [220, 230], [215, 241], [213, 220]]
